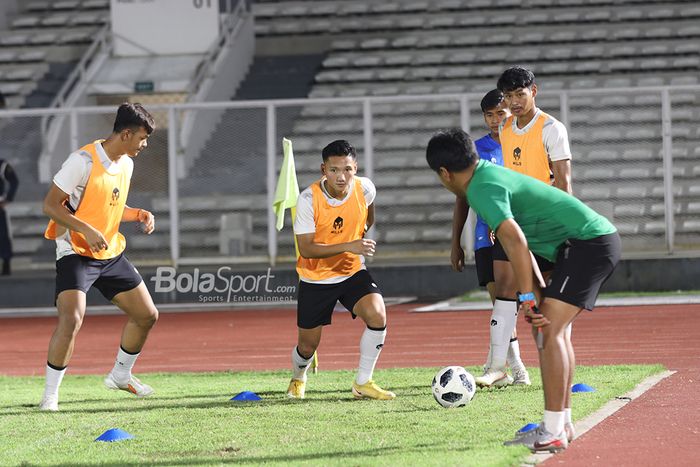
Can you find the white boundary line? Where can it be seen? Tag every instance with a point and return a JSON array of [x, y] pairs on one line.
[[588, 423]]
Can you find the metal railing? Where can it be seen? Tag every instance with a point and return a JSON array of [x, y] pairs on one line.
[[649, 228]]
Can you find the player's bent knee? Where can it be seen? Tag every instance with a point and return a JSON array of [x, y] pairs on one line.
[[70, 323], [306, 349], [149, 320], [376, 320]]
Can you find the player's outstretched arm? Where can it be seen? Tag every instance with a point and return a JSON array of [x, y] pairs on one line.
[[140, 215], [55, 207], [459, 217], [310, 250]]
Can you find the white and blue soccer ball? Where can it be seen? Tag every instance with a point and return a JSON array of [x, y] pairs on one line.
[[453, 386]]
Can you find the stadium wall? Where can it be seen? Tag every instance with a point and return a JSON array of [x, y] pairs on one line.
[[425, 282]]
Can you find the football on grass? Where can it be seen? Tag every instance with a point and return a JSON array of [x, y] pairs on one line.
[[453, 386]]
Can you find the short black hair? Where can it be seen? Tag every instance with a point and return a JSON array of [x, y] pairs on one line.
[[491, 100], [452, 149], [339, 147], [133, 116], [515, 77]]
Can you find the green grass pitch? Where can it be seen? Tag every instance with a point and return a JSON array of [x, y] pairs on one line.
[[190, 420]]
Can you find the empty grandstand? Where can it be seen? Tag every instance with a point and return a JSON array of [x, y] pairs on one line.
[[621, 74]]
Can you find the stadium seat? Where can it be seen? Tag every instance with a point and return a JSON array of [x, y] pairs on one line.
[[467, 40], [471, 19], [55, 20], [595, 192], [436, 235], [562, 36], [638, 154], [95, 4], [410, 22], [7, 56], [659, 33], [627, 228], [396, 235], [37, 6], [629, 210], [66, 5], [367, 60], [14, 40], [44, 38], [428, 58], [630, 33], [661, 14], [353, 9], [634, 173], [26, 22], [434, 41], [441, 22], [409, 217], [630, 14]]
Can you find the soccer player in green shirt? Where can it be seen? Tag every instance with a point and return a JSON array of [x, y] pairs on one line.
[[527, 214]]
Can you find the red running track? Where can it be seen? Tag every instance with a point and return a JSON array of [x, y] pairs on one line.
[[662, 426]]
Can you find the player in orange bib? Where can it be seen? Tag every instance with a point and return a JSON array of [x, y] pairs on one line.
[[333, 215], [532, 141], [536, 144], [86, 204]]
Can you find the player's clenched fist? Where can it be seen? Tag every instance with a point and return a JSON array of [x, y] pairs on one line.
[[363, 246]]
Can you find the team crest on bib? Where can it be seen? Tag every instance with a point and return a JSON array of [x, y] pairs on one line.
[[517, 153], [337, 225], [115, 197]]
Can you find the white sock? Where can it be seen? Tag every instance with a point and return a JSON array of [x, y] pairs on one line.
[[567, 415], [513, 358], [502, 325], [123, 365], [371, 345], [554, 421], [300, 365], [487, 365], [53, 381]]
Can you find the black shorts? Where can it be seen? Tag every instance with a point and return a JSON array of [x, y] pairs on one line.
[[483, 258], [499, 254], [581, 269], [109, 276], [315, 302]]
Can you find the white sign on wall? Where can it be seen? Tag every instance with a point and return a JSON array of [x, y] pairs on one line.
[[163, 27]]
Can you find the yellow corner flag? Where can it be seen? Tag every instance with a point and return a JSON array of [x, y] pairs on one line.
[[286, 196], [287, 191]]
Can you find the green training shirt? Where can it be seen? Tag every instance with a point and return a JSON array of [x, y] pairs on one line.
[[546, 215]]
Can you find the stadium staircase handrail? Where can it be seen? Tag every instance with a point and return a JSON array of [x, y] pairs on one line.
[[50, 129], [229, 26]]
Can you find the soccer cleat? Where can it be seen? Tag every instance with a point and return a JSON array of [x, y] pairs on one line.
[[540, 440], [570, 431], [134, 386], [521, 376], [493, 378], [296, 389], [49, 404], [370, 390]]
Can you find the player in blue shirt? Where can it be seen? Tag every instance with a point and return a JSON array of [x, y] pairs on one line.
[[489, 148]]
